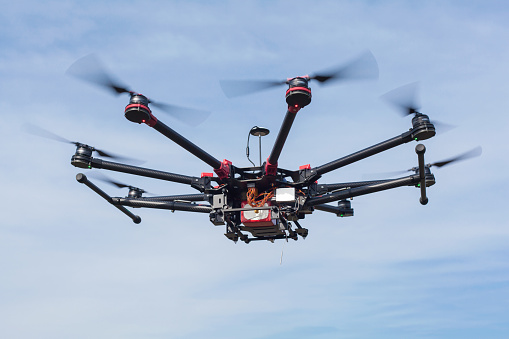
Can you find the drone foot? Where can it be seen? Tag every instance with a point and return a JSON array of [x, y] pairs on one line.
[[232, 236], [303, 232]]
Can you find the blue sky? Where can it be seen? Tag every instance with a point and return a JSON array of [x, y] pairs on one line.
[[73, 266]]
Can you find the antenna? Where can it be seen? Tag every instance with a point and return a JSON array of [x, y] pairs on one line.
[[257, 132]]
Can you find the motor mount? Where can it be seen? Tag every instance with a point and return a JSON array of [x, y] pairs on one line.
[[345, 208], [82, 157], [422, 127], [135, 192], [137, 110], [298, 93]]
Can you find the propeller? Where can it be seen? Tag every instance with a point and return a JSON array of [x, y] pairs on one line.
[[104, 178], [41, 132], [91, 70], [362, 67], [475, 152], [405, 98]]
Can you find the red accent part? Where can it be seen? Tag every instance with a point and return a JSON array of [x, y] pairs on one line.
[[294, 109], [152, 122], [303, 167], [254, 218], [223, 172], [305, 89], [137, 106], [203, 175], [303, 77], [270, 169]]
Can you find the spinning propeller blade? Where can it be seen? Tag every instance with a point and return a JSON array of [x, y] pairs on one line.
[[190, 116], [106, 179], [41, 132], [475, 152], [363, 67], [405, 98], [108, 155], [464, 156], [236, 88], [90, 69]]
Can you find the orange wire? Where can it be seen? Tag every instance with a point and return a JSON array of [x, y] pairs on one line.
[[252, 197]]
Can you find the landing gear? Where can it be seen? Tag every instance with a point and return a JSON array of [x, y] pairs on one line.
[[234, 233]]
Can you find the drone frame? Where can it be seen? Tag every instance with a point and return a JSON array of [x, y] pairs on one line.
[[226, 202]]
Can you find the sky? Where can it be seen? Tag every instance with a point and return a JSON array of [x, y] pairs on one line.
[[72, 266]]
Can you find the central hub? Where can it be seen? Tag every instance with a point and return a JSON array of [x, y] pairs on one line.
[[298, 92], [137, 110]]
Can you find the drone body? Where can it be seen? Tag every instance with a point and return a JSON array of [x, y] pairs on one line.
[[263, 202]]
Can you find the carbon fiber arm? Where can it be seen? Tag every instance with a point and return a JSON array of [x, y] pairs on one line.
[[362, 190]]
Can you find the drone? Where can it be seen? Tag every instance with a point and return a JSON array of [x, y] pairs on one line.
[[265, 202]]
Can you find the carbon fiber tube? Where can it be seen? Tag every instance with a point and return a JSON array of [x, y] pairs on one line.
[[328, 208], [82, 178], [281, 137], [166, 205], [185, 197], [367, 152], [145, 172], [357, 191], [187, 145], [420, 150], [333, 187]]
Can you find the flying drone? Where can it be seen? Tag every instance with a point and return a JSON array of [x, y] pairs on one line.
[[264, 202]]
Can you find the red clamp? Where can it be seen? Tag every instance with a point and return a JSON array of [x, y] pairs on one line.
[[223, 172], [270, 169], [152, 120]]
